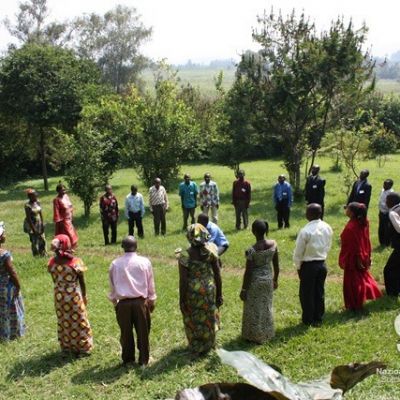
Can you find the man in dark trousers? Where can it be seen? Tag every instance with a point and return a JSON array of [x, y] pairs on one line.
[[361, 191], [312, 246], [133, 295], [391, 272], [283, 200], [241, 196], [315, 188], [109, 215]]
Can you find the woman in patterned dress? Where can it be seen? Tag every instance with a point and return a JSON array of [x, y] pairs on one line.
[[74, 332], [62, 215], [200, 290], [12, 324], [258, 286], [33, 224]]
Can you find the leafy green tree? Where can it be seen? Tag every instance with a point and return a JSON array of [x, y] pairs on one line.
[[113, 41], [298, 80], [43, 88]]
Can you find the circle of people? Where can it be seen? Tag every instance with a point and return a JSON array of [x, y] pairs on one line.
[[200, 285]]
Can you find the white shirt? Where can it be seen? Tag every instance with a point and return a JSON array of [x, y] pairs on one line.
[[382, 201], [313, 242], [395, 217]]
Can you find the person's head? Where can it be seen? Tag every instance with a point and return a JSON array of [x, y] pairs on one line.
[[240, 174], [133, 190], [129, 244], [108, 189], [157, 182], [197, 235], [281, 178], [315, 170], [313, 211], [259, 228], [364, 174], [357, 211], [2, 232], [392, 199], [61, 245], [203, 219], [387, 184], [186, 178], [61, 189], [32, 195], [207, 177]]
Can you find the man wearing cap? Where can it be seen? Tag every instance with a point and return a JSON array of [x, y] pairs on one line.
[[241, 197], [133, 295], [283, 199], [209, 197], [109, 215], [188, 192]]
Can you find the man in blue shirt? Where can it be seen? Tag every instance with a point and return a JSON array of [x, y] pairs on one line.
[[188, 192], [217, 236], [134, 211], [283, 199]]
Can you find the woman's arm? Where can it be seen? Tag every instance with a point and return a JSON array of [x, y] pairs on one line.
[[275, 263], [13, 274], [183, 284], [218, 283]]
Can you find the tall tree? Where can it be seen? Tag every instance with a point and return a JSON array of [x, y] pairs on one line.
[[113, 42], [299, 78], [43, 87]]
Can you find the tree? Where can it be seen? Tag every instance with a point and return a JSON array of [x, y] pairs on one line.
[[31, 25], [297, 80], [113, 42], [43, 87]]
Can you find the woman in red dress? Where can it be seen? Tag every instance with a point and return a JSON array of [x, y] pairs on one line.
[[355, 259], [62, 216]]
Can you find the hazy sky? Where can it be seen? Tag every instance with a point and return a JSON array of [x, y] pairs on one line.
[[214, 29]]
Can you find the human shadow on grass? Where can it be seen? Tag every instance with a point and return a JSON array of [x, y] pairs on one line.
[[98, 374], [40, 366]]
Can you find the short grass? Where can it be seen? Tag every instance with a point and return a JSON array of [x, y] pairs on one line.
[[31, 368]]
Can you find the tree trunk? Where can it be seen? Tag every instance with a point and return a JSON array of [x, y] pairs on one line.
[[87, 205], [42, 145]]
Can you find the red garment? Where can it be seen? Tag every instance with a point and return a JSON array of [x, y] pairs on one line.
[[358, 284], [241, 190], [62, 216]]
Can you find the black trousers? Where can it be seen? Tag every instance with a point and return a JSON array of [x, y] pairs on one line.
[[186, 213], [134, 313], [159, 219], [282, 214], [106, 228], [135, 218], [391, 274], [383, 230], [312, 291], [241, 212]]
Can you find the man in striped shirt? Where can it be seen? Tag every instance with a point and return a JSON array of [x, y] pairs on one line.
[[158, 202]]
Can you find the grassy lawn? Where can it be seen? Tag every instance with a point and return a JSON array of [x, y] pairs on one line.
[[31, 368]]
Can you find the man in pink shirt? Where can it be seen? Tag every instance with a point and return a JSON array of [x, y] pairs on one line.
[[133, 295]]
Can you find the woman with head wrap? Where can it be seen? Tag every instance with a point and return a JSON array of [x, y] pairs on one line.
[[74, 332], [12, 323], [33, 224], [355, 259], [259, 282], [200, 290]]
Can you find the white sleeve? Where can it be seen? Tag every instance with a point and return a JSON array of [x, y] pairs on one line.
[[395, 220]]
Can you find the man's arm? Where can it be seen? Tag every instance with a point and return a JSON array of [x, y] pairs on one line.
[[368, 189]]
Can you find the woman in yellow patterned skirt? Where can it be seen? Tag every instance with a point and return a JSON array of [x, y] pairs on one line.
[[74, 332]]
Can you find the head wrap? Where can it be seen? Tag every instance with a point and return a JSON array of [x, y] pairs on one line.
[[62, 245], [2, 228], [30, 191], [199, 236]]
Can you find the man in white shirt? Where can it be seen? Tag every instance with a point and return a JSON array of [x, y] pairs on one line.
[[134, 211], [391, 272], [383, 230], [312, 246]]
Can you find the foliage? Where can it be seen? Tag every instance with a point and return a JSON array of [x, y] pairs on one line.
[[113, 42], [42, 87], [297, 80]]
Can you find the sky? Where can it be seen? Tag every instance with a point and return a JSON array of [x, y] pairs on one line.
[[221, 29]]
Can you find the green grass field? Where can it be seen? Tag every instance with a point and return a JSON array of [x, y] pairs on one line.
[[32, 368]]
